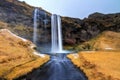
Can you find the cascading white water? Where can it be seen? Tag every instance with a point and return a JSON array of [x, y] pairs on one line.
[[59, 67], [56, 31], [45, 26], [60, 46], [56, 34], [35, 26]]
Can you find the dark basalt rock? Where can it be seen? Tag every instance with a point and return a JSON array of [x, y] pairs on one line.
[[18, 17], [84, 30]]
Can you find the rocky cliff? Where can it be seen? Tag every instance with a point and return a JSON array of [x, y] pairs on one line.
[[78, 31], [17, 17]]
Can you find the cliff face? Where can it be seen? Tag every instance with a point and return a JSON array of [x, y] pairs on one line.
[[83, 30], [17, 16]]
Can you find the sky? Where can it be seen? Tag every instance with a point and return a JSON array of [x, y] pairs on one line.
[[77, 8]]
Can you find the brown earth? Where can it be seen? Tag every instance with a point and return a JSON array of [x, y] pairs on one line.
[[16, 56]]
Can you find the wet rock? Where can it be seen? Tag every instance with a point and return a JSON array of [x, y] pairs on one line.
[[70, 41]]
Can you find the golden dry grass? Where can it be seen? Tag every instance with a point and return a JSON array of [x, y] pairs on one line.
[[107, 40], [98, 65], [26, 68], [16, 56]]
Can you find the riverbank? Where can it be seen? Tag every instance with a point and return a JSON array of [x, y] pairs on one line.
[[98, 65], [17, 56], [58, 68]]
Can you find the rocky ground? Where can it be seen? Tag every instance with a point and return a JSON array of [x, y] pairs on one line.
[[17, 56]]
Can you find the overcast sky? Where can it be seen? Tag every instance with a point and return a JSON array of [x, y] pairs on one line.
[[77, 8]]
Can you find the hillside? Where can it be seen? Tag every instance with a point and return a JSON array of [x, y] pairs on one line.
[[17, 56], [16, 16], [107, 40]]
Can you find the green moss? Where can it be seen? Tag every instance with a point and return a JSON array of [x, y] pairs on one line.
[[68, 47]]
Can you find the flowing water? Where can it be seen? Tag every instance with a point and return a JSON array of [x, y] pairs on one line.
[[56, 34], [60, 46], [58, 68], [39, 21], [45, 26], [35, 26], [56, 37]]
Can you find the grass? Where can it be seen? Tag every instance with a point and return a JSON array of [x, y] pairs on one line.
[[16, 56], [98, 65], [23, 69], [105, 41]]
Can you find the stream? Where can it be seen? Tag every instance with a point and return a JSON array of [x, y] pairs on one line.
[[58, 68]]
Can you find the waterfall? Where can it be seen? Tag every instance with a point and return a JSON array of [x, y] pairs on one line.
[[59, 67], [45, 26], [59, 34], [40, 18], [56, 33], [35, 26]]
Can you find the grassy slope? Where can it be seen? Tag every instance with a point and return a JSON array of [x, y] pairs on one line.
[[98, 65], [107, 40], [16, 56]]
